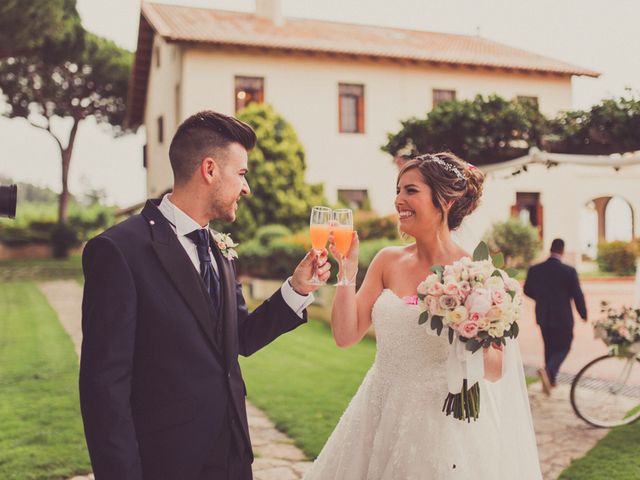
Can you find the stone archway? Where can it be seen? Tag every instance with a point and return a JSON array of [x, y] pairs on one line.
[[612, 217], [619, 220]]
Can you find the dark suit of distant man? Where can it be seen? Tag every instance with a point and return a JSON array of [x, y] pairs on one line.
[[553, 285]]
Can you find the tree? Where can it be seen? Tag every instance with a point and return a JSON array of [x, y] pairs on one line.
[[612, 126], [481, 131], [519, 242], [27, 27], [279, 193], [75, 84]]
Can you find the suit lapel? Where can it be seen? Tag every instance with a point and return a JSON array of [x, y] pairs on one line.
[[180, 270], [228, 308]]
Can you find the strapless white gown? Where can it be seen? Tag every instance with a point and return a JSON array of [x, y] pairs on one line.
[[394, 428]]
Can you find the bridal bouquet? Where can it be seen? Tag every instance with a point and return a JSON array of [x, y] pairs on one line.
[[619, 329], [476, 304]]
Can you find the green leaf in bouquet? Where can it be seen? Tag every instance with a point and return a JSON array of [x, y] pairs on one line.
[[424, 318], [498, 260], [436, 324], [451, 336], [512, 272], [512, 294], [437, 269], [481, 252], [515, 330], [421, 296], [496, 273], [473, 345]]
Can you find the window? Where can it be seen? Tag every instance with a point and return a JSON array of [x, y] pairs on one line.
[[351, 108], [160, 130], [529, 209], [144, 156], [248, 90], [441, 96], [355, 199], [531, 100]]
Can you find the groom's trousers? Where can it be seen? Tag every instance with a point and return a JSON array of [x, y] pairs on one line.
[[557, 343]]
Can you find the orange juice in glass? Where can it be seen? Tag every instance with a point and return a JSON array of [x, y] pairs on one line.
[[319, 236], [319, 229], [342, 235]]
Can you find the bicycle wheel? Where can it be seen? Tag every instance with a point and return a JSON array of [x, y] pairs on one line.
[[606, 392]]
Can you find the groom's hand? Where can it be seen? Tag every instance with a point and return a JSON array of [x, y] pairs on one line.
[[304, 271]]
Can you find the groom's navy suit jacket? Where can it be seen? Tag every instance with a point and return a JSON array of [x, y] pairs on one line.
[[553, 284], [160, 383]]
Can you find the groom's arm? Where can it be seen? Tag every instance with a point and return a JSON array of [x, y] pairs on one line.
[[108, 327], [267, 322]]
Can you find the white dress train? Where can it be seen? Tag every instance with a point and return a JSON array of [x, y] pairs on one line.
[[394, 427]]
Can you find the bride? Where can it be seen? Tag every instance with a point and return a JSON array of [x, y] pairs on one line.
[[394, 427]]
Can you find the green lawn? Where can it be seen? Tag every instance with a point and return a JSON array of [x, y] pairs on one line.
[[304, 382], [35, 269], [616, 456], [40, 427]]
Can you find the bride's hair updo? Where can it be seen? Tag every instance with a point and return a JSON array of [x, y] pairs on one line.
[[451, 180]]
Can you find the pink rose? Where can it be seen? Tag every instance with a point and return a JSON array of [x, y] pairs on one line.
[[464, 288], [411, 300], [476, 317], [222, 245], [448, 302], [479, 300], [497, 296], [468, 329], [451, 289], [436, 289]]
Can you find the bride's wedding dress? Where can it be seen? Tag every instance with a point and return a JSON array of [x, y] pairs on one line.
[[394, 427]]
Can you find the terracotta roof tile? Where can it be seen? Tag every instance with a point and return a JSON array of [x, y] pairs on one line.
[[201, 25]]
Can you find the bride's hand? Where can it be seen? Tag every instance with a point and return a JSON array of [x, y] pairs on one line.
[[493, 359], [351, 260]]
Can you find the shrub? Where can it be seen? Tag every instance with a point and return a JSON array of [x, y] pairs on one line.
[[518, 241], [617, 257], [378, 227], [265, 235], [63, 237]]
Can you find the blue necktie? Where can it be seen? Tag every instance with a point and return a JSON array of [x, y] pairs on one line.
[[201, 238]]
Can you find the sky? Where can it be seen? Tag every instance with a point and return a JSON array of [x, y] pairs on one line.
[[589, 33]]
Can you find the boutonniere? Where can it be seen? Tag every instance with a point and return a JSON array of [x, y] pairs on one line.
[[225, 244]]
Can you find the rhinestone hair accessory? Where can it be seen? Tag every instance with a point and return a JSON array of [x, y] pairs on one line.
[[446, 165]]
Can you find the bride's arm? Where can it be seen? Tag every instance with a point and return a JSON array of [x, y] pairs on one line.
[[493, 360], [351, 312]]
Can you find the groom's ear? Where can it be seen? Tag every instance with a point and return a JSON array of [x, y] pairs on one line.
[[209, 169]]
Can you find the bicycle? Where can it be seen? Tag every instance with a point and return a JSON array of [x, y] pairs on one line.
[[606, 392]]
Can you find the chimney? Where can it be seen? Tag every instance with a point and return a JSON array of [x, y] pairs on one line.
[[271, 9]]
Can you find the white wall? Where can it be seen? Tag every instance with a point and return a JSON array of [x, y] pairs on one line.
[[564, 190], [162, 101], [305, 91]]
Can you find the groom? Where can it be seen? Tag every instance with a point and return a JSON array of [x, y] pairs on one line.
[[164, 319]]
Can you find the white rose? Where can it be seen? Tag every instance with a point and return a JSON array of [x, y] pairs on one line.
[[494, 283]]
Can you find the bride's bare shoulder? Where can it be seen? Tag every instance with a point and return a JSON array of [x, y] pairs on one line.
[[392, 254]]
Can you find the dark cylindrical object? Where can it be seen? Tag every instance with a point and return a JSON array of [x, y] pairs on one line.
[[8, 200]]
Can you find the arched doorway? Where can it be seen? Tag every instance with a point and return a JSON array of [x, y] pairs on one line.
[[618, 220], [605, 219]]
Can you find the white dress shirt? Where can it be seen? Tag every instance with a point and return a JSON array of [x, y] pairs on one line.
[[182, 224]]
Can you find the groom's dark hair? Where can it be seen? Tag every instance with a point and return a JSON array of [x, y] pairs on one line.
[[205, 134]]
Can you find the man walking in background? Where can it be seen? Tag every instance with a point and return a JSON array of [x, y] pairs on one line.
[[552, 284]]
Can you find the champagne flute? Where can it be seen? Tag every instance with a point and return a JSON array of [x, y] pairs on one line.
[[342, 234], [319, 229]]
